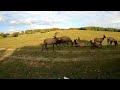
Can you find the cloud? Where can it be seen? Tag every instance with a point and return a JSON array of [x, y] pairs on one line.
[[12, 31], [44, 26], [13, 22], [2, 19], [60, 19], [21, 22], [49, 18]]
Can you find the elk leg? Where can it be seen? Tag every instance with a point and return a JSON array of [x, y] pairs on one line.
[[46, 47], [101, 44], [111, 43], [60, 44], [53, 47], [107, 41], [42, 48], [57, 46], [72, 44], [116, 43], [64, 43], [67, 43]]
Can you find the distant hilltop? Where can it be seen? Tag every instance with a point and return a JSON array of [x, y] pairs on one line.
[[32, 31]]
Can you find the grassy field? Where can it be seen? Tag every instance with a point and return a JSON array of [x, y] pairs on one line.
[[20, 58], [36, 39]]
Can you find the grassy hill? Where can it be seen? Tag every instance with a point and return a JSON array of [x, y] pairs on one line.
[[21, 57]]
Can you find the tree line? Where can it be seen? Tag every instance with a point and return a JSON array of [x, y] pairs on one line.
[[100, 29], [16, 34]]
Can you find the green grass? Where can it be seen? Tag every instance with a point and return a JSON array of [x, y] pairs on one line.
[[26, 61]]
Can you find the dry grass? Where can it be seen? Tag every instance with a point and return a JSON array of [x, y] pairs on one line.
[[36, 39]]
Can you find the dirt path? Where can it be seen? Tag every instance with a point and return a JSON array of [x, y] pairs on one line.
[[5, 53]]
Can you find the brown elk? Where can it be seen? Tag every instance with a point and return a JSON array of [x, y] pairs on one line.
[[79, 44], [99, 40], [66, 39], [115, 42], [75, 42], [78, 39], [93, 44], [51, 41], [110, 40]]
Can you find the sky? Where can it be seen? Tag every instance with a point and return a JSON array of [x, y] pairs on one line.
[[12, 21]]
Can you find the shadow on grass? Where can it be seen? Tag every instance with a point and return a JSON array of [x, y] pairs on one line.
[[65, 53]]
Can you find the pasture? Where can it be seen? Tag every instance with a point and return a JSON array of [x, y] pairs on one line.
[[21, 57]]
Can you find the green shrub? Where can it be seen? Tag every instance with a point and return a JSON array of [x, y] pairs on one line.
[[15, 34], [82, 28], [3, 35]]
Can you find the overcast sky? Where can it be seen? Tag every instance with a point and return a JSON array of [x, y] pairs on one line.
[[21, 20]]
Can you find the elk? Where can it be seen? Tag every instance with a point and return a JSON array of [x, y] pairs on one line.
[[65, 39], [99, 40], [51, 41], [75, 42], [93, 44], [115, 42], [80, 44], [78, 39], [110, 40]]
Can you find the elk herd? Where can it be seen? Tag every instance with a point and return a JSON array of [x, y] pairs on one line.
[[97, 42]]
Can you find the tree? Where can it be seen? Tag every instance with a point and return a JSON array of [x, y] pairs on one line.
[[15, 34], [7, 34], [82, 28], [3, 35], [28, 32]]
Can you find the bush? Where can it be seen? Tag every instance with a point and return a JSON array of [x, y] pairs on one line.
[[3, 35], [28, 32], [15, 34], [82, 28], [7, 34]]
